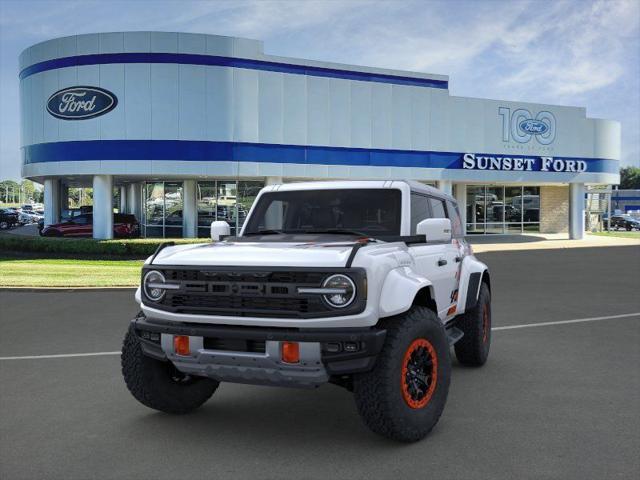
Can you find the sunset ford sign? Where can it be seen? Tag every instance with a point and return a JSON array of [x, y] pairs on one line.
[[81, 103]]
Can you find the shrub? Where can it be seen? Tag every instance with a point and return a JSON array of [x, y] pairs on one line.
[[87, 247]]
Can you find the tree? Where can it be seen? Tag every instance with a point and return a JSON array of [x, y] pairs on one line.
[[28, 190], [9, 191], [630, 178]]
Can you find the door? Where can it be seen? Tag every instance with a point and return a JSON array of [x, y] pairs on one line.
[[435, 261]]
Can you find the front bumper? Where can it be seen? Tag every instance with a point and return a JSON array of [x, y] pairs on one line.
[[324, 353]]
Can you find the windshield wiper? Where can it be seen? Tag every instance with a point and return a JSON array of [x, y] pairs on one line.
[[264, 232]]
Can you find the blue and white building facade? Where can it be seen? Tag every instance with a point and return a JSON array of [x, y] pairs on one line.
[[185, 128]]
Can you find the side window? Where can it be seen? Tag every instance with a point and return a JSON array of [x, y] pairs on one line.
[[454, 215], [419, 210], [437, 208]]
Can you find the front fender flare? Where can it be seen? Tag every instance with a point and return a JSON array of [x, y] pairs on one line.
[[399, 290], [471, 274]]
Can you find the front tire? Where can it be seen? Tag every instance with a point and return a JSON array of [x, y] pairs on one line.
[[159, 385], [404, 395], [473, 348]]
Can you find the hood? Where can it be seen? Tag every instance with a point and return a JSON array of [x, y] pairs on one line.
[[257, 254]]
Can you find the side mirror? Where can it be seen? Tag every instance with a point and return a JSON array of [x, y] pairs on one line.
[[435, 229], [219, 229]]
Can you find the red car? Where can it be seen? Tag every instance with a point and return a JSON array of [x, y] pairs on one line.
[[82, 226]]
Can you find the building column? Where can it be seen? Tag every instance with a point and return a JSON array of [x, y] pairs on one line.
[[103, 206], [576, 211], [123, 199], [64, 196], [134, 200], [51, 201], [445, 186], [189, 209], [461, 199]]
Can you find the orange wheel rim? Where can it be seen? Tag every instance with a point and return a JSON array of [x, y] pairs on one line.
[[485, 323], [419, 373]]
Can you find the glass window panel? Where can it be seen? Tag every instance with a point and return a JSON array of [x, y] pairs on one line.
[[493, 228], [226, 203], [531, 204], [513, 227], [494, 204], [153, 211], [247, 193], [206, 199], [513, 208], [437, 208], [531, 227], [475, 209], [419, 210], [173, 204]]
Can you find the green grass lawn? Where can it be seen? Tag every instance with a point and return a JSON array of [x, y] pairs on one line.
[[621, 233], [19, 272]]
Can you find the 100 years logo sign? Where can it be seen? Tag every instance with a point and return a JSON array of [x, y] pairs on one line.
[[81, 103]]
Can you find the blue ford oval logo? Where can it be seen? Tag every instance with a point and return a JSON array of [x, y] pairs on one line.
[[534, 127], [81, 103]]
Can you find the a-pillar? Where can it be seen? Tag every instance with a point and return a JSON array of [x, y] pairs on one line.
[[461, 199], [51, 201], [446, 186], [103, 206], [189, 210], [134, 200], [576, 211]]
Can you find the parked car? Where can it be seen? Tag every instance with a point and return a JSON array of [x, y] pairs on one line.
[[351, 283], [624, 221], [124, 226], [8, 218], [26, 217]]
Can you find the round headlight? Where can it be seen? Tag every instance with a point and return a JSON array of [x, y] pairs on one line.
[[344, 291], [153, 293]]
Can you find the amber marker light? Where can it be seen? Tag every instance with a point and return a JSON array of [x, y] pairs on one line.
[[181, 345], [290, 352]]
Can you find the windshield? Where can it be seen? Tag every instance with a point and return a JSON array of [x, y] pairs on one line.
[[369, 212]]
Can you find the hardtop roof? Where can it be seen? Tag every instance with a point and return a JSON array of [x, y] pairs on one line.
[[413, 185]]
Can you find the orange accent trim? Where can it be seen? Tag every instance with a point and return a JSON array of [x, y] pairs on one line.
[[415, 404], [485, 323], [290, 352], [181, 345], [452, 310]]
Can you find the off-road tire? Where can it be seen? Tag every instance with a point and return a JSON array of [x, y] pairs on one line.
[[473, 348], [4, 225], [154, 383], [380, 393]]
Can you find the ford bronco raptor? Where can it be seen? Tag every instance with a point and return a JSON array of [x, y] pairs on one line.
[[364, 284]]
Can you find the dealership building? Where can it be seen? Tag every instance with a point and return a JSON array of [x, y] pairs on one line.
[[183, 129]]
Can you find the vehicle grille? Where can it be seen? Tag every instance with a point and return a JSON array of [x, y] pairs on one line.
[[234, 345], [238, 292]]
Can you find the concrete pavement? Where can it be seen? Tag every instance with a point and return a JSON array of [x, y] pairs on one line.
[[557, 401]]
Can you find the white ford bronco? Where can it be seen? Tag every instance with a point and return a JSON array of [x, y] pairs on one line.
[[363, 284]]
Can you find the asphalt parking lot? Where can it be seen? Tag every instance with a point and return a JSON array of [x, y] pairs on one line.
[[554, 401]]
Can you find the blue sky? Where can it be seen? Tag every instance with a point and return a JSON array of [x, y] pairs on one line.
[[584, 53]]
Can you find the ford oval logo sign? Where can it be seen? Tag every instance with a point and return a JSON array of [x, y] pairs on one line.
[[81, 103], [535, 127]]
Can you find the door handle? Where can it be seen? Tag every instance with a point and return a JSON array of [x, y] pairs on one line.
[[442, 262]]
